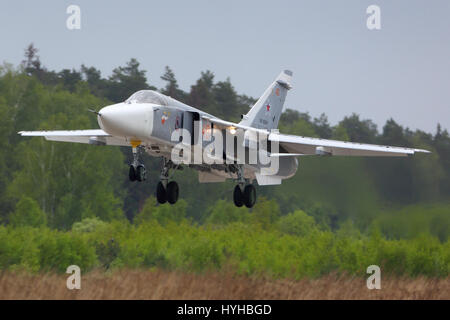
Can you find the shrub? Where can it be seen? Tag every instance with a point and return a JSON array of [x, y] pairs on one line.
[[224, 212], [297, 223], [161, 213]]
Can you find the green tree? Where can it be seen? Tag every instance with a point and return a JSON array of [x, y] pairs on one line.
[[70, 181], [32, 63], [92, 76], [171, 89], [226, 100], [88, 225], [201, 95], [359, 130], [6, 170], [33, 67], [27, 213], [289, 116], [298, 123], [126, 80], [340, 133], [393, 134], [442, 146], [427, 171], [322, 127], [69, 79]]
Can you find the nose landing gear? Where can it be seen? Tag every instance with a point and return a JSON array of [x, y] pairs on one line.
[[138, 173], [137, 170]]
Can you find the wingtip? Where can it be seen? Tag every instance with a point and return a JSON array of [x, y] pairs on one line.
[[422, 151]]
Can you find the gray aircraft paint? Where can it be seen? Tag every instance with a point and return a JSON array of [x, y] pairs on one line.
[[266, 112], [165, 121], [170, 114]]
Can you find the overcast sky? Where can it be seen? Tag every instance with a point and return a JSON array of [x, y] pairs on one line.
[[401, 71]]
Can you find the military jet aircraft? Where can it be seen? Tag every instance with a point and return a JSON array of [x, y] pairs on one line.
[[158, 124]]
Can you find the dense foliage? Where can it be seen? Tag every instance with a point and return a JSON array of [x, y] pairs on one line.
[[62, 203], [291, 246]]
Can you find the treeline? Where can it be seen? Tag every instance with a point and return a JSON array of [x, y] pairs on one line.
[[219, 98], [58, 184]]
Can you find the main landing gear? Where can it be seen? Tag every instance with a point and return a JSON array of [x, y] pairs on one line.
[[244, 192], [137, 170], [167, 191]]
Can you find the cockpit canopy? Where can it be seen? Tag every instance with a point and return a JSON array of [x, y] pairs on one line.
[[148, 96]]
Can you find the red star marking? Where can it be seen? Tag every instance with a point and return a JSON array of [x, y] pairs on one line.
[[268, 107]]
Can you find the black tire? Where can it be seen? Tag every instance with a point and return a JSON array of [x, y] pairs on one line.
[[132, 173], [172, 192], [249, 195], [238, 197], [161, 194], [141, 173]]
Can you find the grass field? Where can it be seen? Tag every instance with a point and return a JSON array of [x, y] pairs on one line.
[[145, 284]]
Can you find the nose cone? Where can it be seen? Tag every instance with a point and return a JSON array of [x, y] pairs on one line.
[[126, 120], [108, 117]]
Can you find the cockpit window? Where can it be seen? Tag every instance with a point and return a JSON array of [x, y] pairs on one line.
[[148, 96]]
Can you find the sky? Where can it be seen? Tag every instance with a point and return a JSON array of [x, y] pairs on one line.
[[401, 71]]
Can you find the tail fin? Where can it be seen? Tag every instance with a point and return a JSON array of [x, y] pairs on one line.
[[266, 112]]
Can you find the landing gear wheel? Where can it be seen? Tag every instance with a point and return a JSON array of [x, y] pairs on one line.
[[140, 173], [161, 194], [249, 195], [172, 192], [132, 173], [238, 197]]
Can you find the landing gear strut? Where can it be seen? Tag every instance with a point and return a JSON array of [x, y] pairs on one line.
[[137, 170], [167, 191], [244, 192]]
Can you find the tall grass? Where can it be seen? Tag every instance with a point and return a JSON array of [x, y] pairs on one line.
[[159, 284]]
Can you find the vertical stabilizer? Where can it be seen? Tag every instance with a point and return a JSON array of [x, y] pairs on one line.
[[266, 112]]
